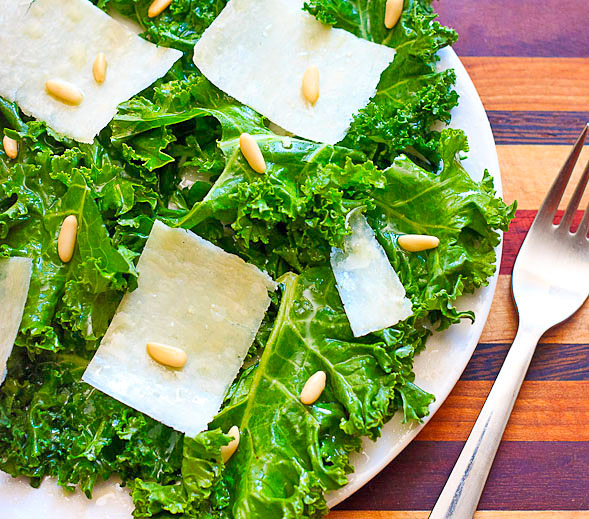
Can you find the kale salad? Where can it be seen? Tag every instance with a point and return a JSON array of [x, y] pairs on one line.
[[172, 154]]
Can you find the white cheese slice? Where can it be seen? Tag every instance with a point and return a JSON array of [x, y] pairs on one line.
[[370, 289], [15, 276], [46, 39], [258, 50], [191, 295]]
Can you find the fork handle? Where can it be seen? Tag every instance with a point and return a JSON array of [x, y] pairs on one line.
[[462, 492]]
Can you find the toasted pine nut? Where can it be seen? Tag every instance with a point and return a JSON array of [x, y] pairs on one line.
[[392, 13], [64, 91], [99, 68], [10, 147], [158, 7], [311, 84], [67, 238], [313, 388], [252, 153], [418, 242], [167, 355], [228, 450]]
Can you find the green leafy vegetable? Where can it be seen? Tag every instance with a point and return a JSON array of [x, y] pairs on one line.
[[464, 214], [200, 489], [53, 424], [179, 26], [306, 449]]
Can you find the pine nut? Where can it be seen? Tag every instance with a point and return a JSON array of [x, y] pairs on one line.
[[167, 355], [64, 91], [228, 450], [252, 153], [158, 7], [392, 13], [66, 240], [99, 68], [10, 147], [311, 84], [418, 242], [313, 388]]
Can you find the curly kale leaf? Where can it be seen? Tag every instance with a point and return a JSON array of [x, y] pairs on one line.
[[198, 493], [180, 26], [52, 424], [290, 454], [296, 194], [306, 449], [69, 304]]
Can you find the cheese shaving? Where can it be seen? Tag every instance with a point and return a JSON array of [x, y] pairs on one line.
[[15, 276], [194, 296], [257, 51], [370, 289], [60, 39]]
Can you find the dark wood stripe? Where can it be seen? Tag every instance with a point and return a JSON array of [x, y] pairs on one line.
[[564, 362], [523, 127], [513, 239], [518, 229], [525, 476], [556, 28], [484, 514]]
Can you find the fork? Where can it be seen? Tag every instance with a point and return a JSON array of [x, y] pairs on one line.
[[550, 282]]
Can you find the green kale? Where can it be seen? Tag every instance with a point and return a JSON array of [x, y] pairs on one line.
[[179, 26], [199, 492], [53, 424]]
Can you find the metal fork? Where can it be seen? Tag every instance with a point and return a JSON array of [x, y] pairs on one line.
[[550, 283]]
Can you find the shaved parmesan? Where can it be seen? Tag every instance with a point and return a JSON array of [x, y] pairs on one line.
[[15, 276], [258, 51], [60, 39], [194, 296], [370, 289]]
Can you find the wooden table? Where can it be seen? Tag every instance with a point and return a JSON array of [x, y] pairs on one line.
[[529, 60]]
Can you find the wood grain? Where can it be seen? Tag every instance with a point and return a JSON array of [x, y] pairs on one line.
[[544, 411], [525, 476], [551, 362], [553, 514], [502, 323], [528, 171], [536, 127], [545, 84], [517, 28]]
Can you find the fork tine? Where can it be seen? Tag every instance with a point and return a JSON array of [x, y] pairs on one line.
[[550, 204], [569, 214], [584, 225]]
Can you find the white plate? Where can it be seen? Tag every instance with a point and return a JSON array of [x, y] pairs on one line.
[[437, 369]]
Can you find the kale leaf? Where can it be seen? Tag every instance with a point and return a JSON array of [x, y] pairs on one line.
[[179, 26]]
